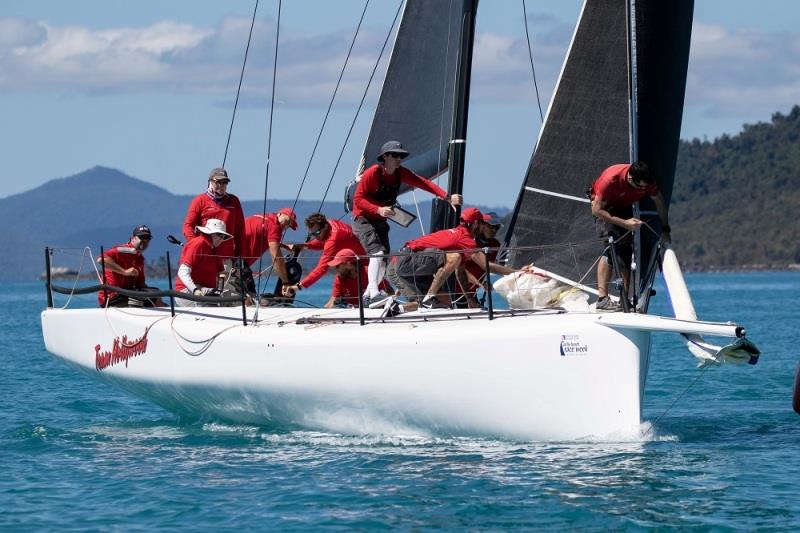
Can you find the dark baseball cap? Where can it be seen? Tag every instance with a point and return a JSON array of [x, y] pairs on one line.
[[141, 231]]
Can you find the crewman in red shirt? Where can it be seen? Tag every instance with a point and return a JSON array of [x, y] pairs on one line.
[[330, 236], [265, 232], [217, 203], [124, 268], [373, 202], [476, 274], [201, 263], [613, 194], [345, 291], [427, 262]]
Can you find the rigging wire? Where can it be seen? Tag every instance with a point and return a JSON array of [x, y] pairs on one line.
[[361, 103], [239, 89], [269, 130], [530, 55], [333, 97]]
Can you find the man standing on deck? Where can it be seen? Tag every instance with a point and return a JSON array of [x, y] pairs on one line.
[[373, 202], [217, 203], [124, 268], [265, 232], [613, 194]]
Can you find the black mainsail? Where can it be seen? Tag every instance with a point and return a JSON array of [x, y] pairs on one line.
[[416, 101], [619, 98]]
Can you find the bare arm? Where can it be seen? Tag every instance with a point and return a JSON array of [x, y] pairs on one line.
[[600, 210], [113, 266], [277, 261]]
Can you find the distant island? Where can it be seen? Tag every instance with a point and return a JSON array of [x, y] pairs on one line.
[[734, 207]]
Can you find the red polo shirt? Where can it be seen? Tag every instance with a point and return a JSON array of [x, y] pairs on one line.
[[259, 231], [126, 256], [228, 210], [204, 261], [457, 238], [364, 203], [612, 187], [341, 237]]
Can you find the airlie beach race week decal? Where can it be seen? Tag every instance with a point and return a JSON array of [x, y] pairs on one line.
[[121, 351], [572, 345]]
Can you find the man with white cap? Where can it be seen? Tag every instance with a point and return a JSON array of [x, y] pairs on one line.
[[217, 203], [201, 262], [373, 203]]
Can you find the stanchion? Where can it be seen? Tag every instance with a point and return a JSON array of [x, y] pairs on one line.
[[243, 291], [489, 302], [360, 296], [48, 277], [169, 280]]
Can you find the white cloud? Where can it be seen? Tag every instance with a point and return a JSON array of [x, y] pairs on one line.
[[743, 73]]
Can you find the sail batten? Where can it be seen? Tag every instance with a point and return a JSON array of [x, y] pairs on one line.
[[619, 97]]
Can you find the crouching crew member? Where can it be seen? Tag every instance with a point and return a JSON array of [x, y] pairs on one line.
[[124, 268], [476, 273], [200, 263], [427, 262], [345, 292]]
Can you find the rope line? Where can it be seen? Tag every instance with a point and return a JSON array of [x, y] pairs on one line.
[[530, 55]]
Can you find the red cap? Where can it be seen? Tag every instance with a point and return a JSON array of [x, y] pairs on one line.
[[471, 214], [292, 216], [345, 255]]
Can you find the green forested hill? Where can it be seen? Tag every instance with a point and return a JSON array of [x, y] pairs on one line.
[[736, 199]]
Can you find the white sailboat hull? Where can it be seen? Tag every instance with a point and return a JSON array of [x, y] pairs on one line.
[[552, 376]]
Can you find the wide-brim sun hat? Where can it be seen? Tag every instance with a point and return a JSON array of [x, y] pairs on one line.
[[393, 147], [214, 226]]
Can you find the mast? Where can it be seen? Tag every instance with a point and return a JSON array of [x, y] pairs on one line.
[[442, 216]]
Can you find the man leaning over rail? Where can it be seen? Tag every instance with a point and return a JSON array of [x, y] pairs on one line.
[[613, 194], [265, 232]]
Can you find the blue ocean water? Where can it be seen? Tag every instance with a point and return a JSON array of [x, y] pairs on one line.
[[724, 453]]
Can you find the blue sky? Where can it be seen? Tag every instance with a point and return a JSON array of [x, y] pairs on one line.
[[148, 86]]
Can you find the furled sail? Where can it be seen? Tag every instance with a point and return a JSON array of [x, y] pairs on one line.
[[416, 102], [619, 98]]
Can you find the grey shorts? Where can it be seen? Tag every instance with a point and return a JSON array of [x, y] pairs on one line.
[[373, 235], [413, 274]]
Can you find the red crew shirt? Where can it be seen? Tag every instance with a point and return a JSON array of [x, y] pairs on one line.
[[347, 288], [457, 238], [228, 210], [259, 231], [364, 203], [126, 256], [341, 237], [204, 261], [612, 187]]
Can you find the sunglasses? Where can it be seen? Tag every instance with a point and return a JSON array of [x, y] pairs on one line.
[[222, 182], [144, 237], [394, 154], [315, 233]]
